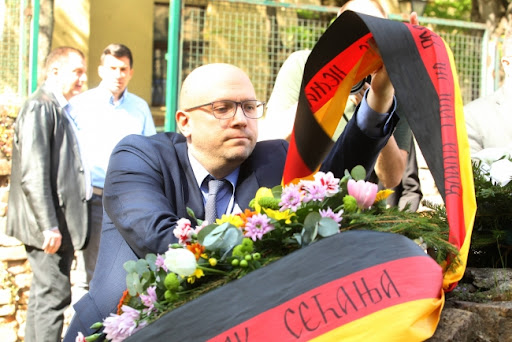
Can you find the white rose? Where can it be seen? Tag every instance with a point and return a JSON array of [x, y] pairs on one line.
[[180, 261]]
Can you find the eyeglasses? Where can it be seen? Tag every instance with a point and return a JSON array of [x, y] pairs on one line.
[[226, 109]]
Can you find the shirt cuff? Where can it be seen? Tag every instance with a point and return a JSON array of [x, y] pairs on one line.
[[372, 123]]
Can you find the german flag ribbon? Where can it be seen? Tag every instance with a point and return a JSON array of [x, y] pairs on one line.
[[422, 71], [356, 285]]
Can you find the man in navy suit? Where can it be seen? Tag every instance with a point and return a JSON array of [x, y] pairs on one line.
[[151, 181]]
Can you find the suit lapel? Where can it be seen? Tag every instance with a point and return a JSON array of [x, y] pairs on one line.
[[190, 191], [247, 185]]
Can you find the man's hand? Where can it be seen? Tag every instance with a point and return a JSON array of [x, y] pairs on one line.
[[52, 241]]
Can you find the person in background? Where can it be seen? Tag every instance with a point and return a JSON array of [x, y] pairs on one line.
[[104, 115], [49, 191], [152, 181], [489, 118], [395, 168]]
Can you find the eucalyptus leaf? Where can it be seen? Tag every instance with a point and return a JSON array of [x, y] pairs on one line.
[[213, 240], [327, 227], [204, 232], [141, 266], [151, 259], [132, 283], [298, 237], [130, 266], [358, 173], [312, 219]]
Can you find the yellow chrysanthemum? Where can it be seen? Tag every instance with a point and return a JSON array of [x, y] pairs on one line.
[[383, 194], [280, 215], [235, 220], [197, 274], [262, 192]]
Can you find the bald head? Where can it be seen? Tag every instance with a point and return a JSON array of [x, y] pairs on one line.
[[209, 82]]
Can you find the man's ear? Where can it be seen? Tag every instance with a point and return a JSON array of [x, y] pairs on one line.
[[183, 122]]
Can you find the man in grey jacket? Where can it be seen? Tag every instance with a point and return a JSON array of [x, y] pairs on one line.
[[49, 191]]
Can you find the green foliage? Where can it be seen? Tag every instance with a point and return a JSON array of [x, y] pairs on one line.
[[492, 230], [449, 9]]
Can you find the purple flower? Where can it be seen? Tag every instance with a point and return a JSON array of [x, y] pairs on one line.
[[331, 214], [257, 226], [119, 327], [363, 192], [160, 262], [150, 299], [290, 198], [315, 191]]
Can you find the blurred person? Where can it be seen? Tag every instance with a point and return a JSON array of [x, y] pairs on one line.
[[48, 192], [104, 116], [489, 118]]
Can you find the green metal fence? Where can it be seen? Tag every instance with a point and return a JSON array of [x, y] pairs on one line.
[[259, 35]]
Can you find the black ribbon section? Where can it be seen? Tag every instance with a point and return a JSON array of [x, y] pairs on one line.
[[416, 96], [236, 302]]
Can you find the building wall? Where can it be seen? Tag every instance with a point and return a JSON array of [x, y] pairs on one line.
[[90, 25]]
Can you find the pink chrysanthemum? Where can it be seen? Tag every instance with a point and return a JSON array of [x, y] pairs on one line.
[[291, 197], [331, 214], [257, 226], [150, 299], [183, 231], [315, 191], [160, 262], [331, 184], [119, 327]]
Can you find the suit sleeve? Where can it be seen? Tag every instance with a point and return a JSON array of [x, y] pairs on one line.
[[142, 205], [354, 148]]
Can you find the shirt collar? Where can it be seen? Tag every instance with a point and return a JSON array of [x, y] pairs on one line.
[[200, 173], [110, 97]]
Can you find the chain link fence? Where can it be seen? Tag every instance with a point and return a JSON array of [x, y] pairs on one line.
[[258, 37]]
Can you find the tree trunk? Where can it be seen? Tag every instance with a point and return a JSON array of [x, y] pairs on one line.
[[495, 13], [45, 32]]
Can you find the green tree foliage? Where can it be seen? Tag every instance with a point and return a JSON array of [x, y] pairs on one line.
[[449, 9]]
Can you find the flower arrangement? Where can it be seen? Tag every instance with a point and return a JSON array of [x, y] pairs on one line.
[[280, 220]]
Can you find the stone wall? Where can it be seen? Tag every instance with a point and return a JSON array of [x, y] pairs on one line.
[[15, 272]]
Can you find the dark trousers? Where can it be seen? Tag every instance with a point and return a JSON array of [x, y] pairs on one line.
[[90, 253], [50, 291]]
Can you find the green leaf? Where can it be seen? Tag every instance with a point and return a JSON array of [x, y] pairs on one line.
[[358, 173], [327, 227], [132, 283], [130, 266], [141, 266], [312, 219], [151, 259], [204, 232]]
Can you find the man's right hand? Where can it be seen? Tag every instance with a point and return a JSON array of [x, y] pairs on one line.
[[52, 241]]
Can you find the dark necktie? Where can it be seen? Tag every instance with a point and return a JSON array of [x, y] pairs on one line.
[[210, 209]]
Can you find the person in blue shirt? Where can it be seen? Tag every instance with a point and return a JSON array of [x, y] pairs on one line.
[[104, 115]]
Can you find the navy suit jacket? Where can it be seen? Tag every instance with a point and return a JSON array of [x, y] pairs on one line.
[[150, 184]]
